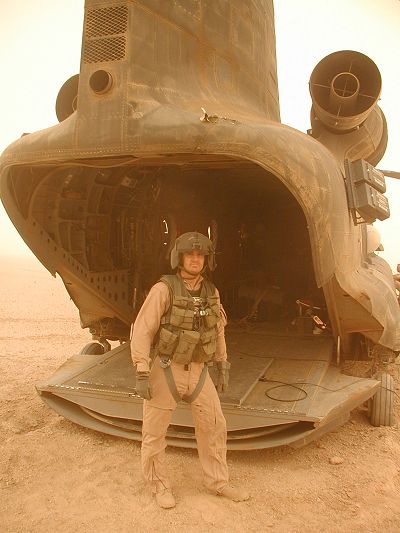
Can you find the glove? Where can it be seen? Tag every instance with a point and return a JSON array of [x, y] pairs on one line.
[[223, 376], [142, 385]]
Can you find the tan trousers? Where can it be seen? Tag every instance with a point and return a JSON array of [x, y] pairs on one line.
[[210, 426]]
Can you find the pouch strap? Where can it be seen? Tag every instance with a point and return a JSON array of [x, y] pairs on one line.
[[171, 383], [174, 391], [199, 386]]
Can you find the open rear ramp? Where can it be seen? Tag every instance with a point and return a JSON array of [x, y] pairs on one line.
[[283, 390]]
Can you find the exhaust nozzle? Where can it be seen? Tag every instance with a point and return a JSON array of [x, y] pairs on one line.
[[344, 87]]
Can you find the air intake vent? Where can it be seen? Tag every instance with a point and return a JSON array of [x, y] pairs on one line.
[[106, 21], [103, 39], [104, 50]]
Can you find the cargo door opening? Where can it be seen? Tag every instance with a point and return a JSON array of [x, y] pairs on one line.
[[264, 262], [108, 231]]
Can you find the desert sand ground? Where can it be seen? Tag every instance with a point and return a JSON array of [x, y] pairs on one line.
[[56, 476]]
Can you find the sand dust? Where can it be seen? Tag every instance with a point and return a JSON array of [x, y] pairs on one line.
[[57, 476]]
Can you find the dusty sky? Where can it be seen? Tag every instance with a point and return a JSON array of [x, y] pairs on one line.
[[40, 49]]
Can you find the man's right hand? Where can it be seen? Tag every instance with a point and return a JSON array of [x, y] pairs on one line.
[[143, 385]]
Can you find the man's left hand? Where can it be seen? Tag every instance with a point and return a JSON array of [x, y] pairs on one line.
[[223, 376]]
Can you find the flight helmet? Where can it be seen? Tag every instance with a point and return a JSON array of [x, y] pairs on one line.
[[193, 241]]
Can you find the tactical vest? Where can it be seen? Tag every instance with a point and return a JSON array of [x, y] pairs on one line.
[[188, 330]]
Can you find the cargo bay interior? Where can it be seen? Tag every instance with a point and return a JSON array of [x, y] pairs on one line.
[[264, 262], [126, 218]]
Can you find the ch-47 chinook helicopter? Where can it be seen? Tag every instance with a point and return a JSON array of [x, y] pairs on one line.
[[173, 125]]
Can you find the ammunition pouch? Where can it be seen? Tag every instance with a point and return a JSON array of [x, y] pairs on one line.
[[167, 341], [181, 315], [207, 347], [213, 315], [186, 345]]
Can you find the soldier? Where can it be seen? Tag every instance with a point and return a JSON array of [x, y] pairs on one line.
[[183, 322]]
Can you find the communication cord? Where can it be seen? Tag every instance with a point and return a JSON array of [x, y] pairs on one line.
[[295, 386]]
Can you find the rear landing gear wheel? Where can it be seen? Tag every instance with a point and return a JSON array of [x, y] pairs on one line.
[[92, 348], [381, 405]]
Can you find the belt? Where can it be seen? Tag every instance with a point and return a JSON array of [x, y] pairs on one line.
[[166, 365]]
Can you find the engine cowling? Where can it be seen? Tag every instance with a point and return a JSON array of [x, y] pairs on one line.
[[345, 87], [67, 98]]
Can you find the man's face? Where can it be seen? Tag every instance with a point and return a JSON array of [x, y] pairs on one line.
[[193, 262]]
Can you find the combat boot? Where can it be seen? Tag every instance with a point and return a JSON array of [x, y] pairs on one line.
[[233, 493], [165, 499]]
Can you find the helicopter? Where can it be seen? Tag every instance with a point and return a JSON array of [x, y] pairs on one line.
[[173, 125]]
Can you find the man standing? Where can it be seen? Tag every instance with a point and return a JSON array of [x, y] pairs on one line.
[[183, 322]]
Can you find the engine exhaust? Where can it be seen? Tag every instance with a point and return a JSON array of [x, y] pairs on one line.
[[345, 87]]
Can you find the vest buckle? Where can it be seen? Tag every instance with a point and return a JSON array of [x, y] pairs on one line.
[[165, 362]]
